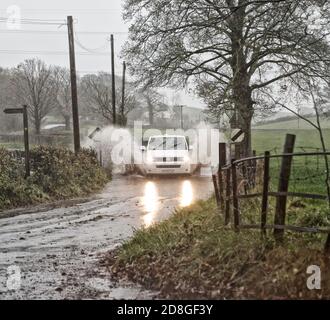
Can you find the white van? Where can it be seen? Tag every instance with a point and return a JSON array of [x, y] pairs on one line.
[[167, 155]]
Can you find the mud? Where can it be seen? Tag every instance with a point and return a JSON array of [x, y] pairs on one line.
[[58, 247]]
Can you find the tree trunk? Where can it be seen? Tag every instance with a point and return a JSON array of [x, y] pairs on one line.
[[37, 126], [122, 119], [246, 150], [67, 120], [244, 107], [242, 93], [36, 119]]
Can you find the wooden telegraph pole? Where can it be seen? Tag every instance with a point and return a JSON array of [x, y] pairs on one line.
[[123, 94], [74, 91], [113, 79]]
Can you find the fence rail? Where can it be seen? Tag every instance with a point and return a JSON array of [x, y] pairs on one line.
[[234, 181]]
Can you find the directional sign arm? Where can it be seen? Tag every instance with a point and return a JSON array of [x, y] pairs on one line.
[[13, 111]]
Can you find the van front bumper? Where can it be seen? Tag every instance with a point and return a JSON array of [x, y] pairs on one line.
[[168, 168]]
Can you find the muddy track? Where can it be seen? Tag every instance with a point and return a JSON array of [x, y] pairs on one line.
[[58, 247]]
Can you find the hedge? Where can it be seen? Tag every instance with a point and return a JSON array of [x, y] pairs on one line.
[[56, 173]]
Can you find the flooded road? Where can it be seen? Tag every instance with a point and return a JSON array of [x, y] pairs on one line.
[[54, 253]]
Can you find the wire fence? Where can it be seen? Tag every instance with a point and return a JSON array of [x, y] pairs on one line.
[[272, 176]]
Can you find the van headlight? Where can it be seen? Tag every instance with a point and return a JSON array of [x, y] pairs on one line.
[[150, 159], [186, 159]]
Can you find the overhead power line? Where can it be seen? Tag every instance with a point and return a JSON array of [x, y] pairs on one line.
[[68, 11], [36, 21], [52, 32], [55, 53], [96, 50]]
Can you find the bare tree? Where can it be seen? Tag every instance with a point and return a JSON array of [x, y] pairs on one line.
[[35, 85], [62, 76], [230, 48], [153, 100], [97, 92]]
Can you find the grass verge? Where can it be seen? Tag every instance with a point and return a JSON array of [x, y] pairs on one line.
[[194, 256]]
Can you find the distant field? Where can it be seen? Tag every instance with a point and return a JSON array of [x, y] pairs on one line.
[[308, 173], [294, 124], [267, 140]]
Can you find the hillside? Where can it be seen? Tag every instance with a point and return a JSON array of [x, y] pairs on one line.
[[292, 124]]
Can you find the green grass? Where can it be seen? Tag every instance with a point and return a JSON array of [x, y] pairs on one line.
[[268, 140], [308, 173], [193, 255], [294, 124]]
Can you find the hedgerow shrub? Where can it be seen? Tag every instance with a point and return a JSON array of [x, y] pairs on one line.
[[14, 190], [56, 173]]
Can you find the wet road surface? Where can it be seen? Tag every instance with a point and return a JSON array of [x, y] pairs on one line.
[[55, 252]]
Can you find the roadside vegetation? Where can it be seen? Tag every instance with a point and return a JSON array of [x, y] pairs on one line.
[[57, 174], [193, 255]]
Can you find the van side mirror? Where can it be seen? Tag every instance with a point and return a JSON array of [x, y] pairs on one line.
[[143, 149], [191, 148]]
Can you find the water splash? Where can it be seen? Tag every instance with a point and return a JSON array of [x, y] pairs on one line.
[[117, 147]]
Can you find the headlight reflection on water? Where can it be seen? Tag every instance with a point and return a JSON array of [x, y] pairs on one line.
[[151, 203], [151, 200], [187, 194]]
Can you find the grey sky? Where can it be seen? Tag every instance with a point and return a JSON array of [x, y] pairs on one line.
[[94, 22]]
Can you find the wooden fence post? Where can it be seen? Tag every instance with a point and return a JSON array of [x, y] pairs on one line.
[[283, 186], [254, 168], [221, 191], [216, 189], [245, 177], [265, 190], [222, 163], [237, 153], [222, 154], [235, 195], [228, 194]]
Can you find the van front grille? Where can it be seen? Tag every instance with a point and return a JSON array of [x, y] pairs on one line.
[[169, 159], [168, 167]]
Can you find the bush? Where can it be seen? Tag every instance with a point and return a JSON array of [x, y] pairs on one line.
[[14, 190], [56, 173]]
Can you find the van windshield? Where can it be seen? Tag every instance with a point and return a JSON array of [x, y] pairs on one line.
[[168, 143]]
